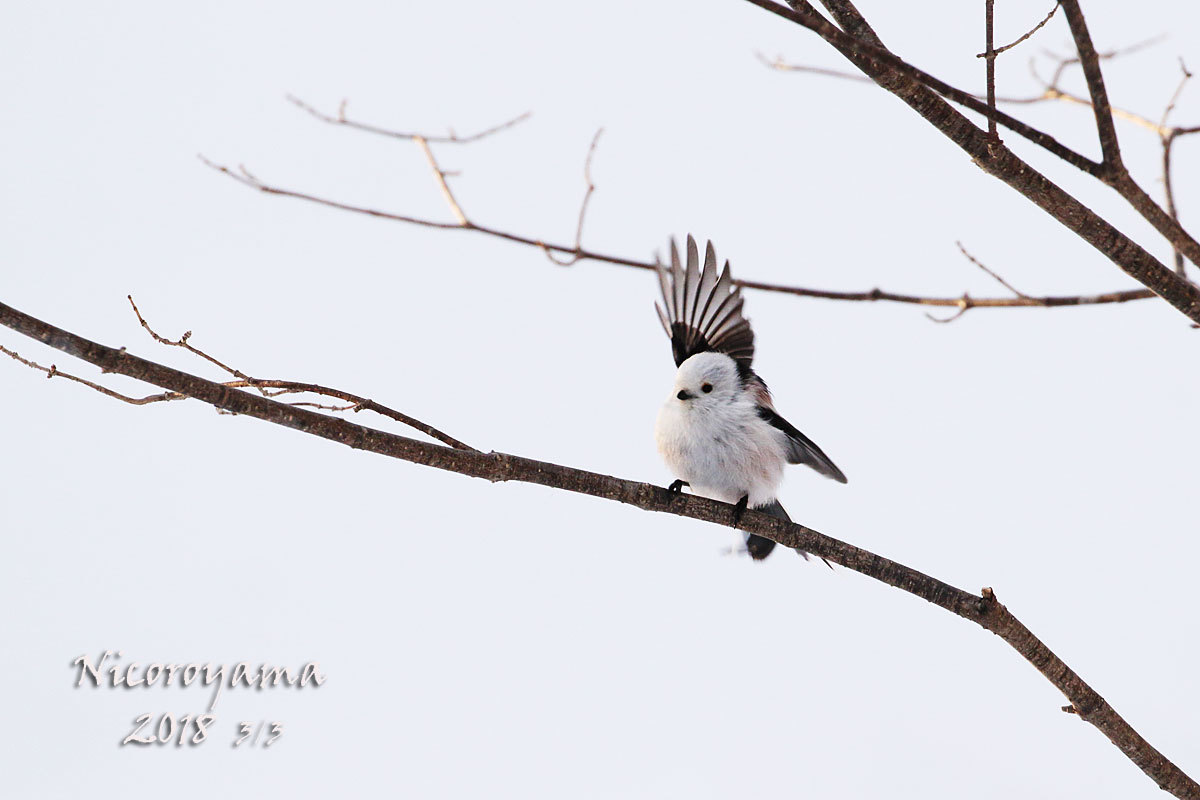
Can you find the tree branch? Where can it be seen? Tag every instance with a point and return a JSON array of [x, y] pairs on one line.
[[1166, 221], [917, 89], [1090, 61], [575, 253], [989, 53], [1024, 36], [868, 54], [1168, 136], [983, 609]]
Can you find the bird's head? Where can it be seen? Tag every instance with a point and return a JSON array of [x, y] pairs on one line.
[[706, 380]]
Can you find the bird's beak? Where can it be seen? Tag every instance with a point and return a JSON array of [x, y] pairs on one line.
[[685, 395]]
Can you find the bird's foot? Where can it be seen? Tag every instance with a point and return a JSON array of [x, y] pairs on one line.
[[676, 486], [739, 509]]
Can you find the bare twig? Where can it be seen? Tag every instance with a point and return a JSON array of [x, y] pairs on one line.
[[53, 371], [1024, 36], [583, 207], [269, 387], [451, 138], [1187, 76], [1168, 137], [983, 267], [983, 609], [182, 341], [1107, 55], [1051, 88], [440, 176], [966, 302], [779, 64]]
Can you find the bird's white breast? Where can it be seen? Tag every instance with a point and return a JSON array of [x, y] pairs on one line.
[[725, 450]]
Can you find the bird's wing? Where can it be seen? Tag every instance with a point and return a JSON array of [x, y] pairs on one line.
[[702, 311], [801, 449]]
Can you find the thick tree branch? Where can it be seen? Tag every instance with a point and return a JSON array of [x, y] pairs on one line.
[[983, 609], [869, 50], [916, 88], [1090, 61]]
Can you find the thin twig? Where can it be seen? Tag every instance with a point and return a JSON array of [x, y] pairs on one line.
[[452, 138], [1107, 55], [779, 64], [965, 304], [53, 371], [1187, 76], [1051, 89], [1168, 137], [1025, 36], [983, 267], [583, 207], [263, 385], [182, 341], [440, 176]]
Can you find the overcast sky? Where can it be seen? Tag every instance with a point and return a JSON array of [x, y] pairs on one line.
[[486, 640]]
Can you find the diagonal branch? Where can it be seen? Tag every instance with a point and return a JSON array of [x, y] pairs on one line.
[[920, 91], [1166, 221], [869, 55], [966, 303], [986, 269], [440, 175], [983, 609], [1168, 136], [1116, 174], [1090, 61], [1004, 49]]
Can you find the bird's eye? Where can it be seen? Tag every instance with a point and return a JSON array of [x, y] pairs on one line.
[[706, 388]]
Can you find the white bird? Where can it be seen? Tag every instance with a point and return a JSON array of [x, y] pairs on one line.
[[718, 431]]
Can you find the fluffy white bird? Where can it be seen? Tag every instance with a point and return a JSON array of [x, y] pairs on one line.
[[718, 431]]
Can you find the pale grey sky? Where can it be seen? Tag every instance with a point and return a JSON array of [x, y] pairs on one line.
[[509, 641]]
